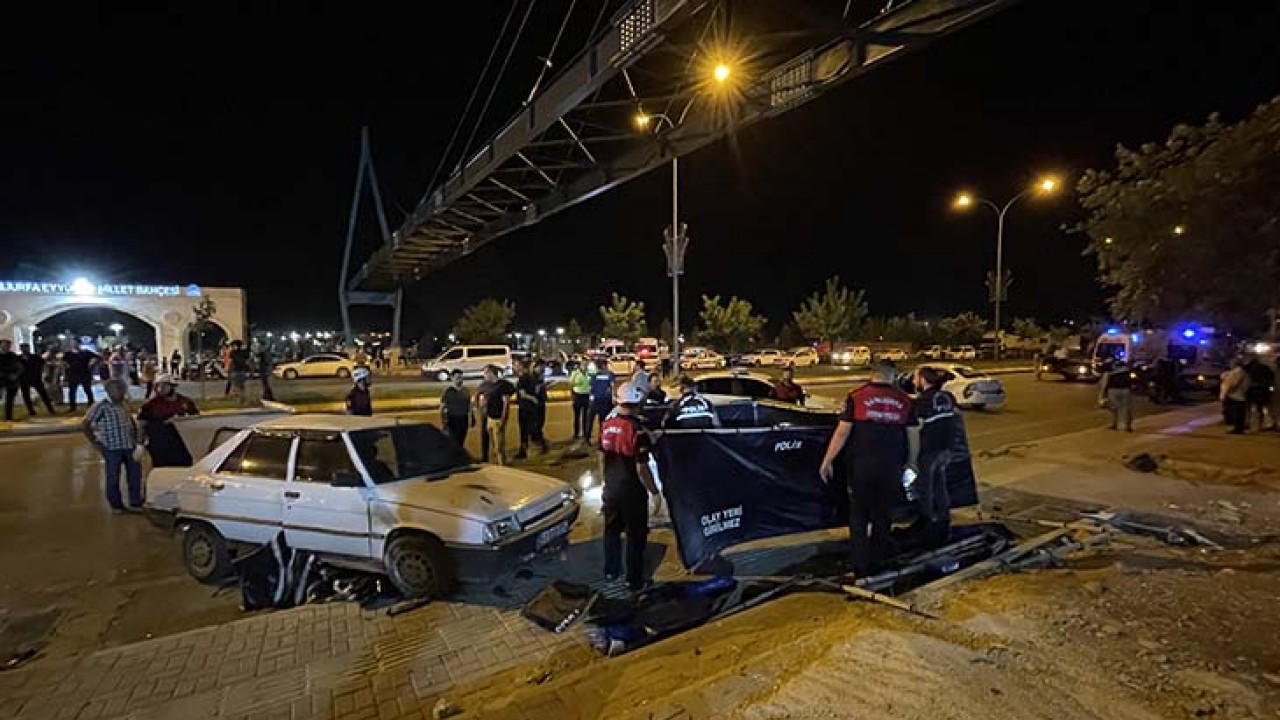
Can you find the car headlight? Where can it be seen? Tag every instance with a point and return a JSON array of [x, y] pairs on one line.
[[968, 390], [568, 494], [495, 531]]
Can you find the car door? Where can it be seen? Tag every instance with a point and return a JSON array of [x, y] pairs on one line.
[[326, 508], [246, 500]]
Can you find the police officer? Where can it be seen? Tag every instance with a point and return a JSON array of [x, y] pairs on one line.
[[359, 401], [624, 465], [879, 437], [691, 411], [601, 392], [936, 410]]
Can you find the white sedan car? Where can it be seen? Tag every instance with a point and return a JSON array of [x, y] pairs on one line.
[[723, 387], [893, 355], [367, 493], [800, 357], [764, 357], [971, 388], [322, 365], [702, 360]]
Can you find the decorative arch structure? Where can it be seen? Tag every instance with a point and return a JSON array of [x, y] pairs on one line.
[[168, 309]]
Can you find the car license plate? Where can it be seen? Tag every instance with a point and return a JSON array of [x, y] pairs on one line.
[[551, 534]]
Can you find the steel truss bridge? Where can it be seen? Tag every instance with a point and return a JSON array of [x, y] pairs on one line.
[[577, 137]]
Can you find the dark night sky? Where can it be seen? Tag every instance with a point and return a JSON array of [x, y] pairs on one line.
[[193, 145]]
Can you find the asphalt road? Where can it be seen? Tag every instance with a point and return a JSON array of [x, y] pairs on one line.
[[103, 579]]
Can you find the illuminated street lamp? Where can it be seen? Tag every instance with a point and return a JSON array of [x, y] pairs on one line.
[[676, 239], [1044, 186], [1179, 230], [116, 328]]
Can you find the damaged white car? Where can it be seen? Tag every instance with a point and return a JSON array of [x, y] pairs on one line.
[[366, 493]]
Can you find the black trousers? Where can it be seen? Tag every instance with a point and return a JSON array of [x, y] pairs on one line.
[[872, 493], [933, 497], [457, 427], [600, 410], [27, 386], [531, 419], [10, 388], [1236, 413], [75, 383], [267, 393], [581, 415], [626, 515]]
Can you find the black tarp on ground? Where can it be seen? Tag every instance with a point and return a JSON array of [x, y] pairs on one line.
[[757, 477]]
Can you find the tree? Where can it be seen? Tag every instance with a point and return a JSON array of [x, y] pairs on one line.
[[730, 326], [1186, 229], [1027, 329], [623, 319], [833, 314], [204, 311], [486, 322], [576, 336], [963, 329], [790, 336]]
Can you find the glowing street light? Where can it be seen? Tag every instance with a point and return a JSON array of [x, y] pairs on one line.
[[721, 73], [116, 328], [1179, 230], [642, 120], [560, 331], [1046, 185]]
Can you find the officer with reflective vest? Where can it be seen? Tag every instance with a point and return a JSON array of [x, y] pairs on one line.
[[879, 438], [624, 465], [691, 411], [936, 409]]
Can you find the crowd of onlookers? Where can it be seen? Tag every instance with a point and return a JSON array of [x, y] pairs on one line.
[[41, 376]]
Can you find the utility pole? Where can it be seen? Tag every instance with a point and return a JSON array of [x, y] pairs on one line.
[[346, 296], [675, 242]]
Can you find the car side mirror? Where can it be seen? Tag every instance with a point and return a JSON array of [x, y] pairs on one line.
[[347, 480]]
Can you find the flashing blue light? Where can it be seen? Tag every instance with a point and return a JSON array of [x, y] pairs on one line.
[[1204, 342], [1113, 330], [1136, 338], [1188, 333]]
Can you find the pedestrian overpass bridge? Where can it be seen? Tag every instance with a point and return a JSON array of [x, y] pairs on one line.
[[578, 137]]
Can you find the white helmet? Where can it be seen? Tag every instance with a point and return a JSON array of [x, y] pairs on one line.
[[360, 373], [629, 394], [592, 369]]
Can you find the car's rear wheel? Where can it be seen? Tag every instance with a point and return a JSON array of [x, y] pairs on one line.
[[442, 376], [290, 374], [205, 553], [343, 372], [420, 566]]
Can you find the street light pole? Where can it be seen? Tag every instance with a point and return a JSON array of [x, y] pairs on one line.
[[964, 200]]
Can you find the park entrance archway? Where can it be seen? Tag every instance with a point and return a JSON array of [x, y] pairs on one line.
[[168, 309]]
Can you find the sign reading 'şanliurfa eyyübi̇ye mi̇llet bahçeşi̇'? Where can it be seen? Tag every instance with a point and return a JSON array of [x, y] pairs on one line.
[[84, 287]]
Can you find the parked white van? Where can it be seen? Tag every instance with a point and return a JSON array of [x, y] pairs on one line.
[[470, 359]]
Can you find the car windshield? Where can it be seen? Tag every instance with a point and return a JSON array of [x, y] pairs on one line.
[[408, 451], [965, 371]]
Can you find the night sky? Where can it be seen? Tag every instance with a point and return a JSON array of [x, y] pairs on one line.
[[194, 144]]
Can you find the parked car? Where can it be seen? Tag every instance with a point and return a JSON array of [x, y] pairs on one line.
[[933, 352], [1069, 368], [470, 359], [322, 365], [762, 357], [701, 358], [893, 355], [800, 357], [851, 355], [721, 387], [622, 364], [366, 493], [972, 388], [961, 352]]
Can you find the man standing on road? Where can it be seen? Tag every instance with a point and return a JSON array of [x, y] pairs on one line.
[[359, 400], [11, 379], [33, 377], [80, 364], [1234, 393], [265, 365], [879, 437], [164, 442], [175, 364], [493, 401], [691, 411], [602, 380], [526, 405], [580, 387], [640, 377], [455, 410], [237, 370], [1116, 395], [1262, 380], [624, 465], [787, 389], [540, 419], [53, 375], [109, 426], [936, 410]]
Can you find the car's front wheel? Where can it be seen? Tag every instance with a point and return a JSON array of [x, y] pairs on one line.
[[290, 374], [420, 566], [205, 553], [443, 376], [344, 373]]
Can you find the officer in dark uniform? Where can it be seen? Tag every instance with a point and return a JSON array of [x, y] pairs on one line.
[[624, 465], [691, 411], [936, 410], [879, 437]]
